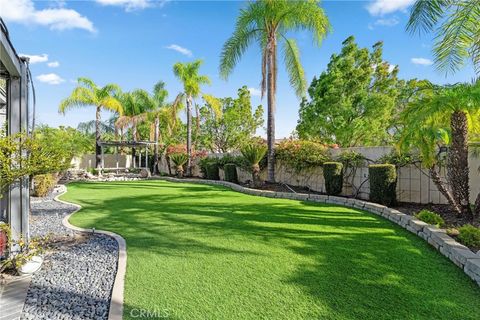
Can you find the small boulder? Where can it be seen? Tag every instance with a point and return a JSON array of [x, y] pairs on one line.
[[145, 173]]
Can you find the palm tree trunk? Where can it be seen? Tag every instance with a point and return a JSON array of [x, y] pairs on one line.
[[458, 161], [98, 148], [189, 135], [271, 111], [155, 147], [134, 150], [444, 190], [197, 122]]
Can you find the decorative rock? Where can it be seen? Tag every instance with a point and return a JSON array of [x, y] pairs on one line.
[[461, 255], [417, 224], [77, 278], [317, 197]]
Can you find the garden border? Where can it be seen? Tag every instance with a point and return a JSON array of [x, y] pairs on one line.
[[115, 311], [459, 254]]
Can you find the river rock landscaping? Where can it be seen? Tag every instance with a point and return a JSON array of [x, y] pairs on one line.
[[77, 276]]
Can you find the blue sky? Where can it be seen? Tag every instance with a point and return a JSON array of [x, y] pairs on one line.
[[134, 43]]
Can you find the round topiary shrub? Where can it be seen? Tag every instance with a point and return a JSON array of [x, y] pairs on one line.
[[383, 184], [333, 174], [212, 171], [230, 170]]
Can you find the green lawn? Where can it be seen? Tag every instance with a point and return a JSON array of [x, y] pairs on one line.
[[205, 252]]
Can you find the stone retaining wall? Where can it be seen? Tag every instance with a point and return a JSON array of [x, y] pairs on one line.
[[459, 254]]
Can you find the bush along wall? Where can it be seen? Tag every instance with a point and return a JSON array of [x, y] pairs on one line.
[[212, 171], [230, 170], [383, 184], [43, 184], [333, 174]]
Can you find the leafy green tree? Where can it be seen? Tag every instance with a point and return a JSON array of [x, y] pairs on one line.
[[352, 102], [49, 150], [188, 74], [457, 30], [227, 126], [267, 23], [87, 93], [445, 116]]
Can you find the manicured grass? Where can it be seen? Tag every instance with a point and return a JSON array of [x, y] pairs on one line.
[[205, 252]]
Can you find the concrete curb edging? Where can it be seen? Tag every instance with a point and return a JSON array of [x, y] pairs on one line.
[[116, 302], [459, 254]]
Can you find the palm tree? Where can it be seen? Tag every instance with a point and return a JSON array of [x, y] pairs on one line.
[[448, 114], [87, 93], [187, 73], [457, 30], [159, 96], [267, 23], [136, 104]]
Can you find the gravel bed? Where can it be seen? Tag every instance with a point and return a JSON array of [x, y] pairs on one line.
[[78, 273]]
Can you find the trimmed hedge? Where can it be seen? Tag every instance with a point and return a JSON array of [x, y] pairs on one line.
[[333, 174], [230, 170], [212, 171], [383, 184]]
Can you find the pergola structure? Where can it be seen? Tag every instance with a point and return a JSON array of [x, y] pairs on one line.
[[129, 144], [14, 111]]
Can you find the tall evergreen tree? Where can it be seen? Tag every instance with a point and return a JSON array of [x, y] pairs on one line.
[[352, 102]]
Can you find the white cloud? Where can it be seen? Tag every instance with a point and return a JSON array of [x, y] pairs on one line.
[[180, 49], [53, 64], [390, 22], [50, 78], [255, 92], [381, 7], [422, 61], [132, 5], [387, 22], [23, 11], [35, 58]]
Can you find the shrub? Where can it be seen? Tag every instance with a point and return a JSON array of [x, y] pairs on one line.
[[469, 235], [333, 174], [252, 154], [212, 171], [383, 184], [301, 154], [179, 160], [43, 184], [430, 218], [230, 170]]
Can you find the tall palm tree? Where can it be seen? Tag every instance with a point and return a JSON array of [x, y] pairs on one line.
[[87, 93], [159, 96], [267, 23], [187, 73], [450, 114], [457, 30], [136, 104]]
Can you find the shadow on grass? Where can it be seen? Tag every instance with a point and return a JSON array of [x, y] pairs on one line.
[[355, 265]]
